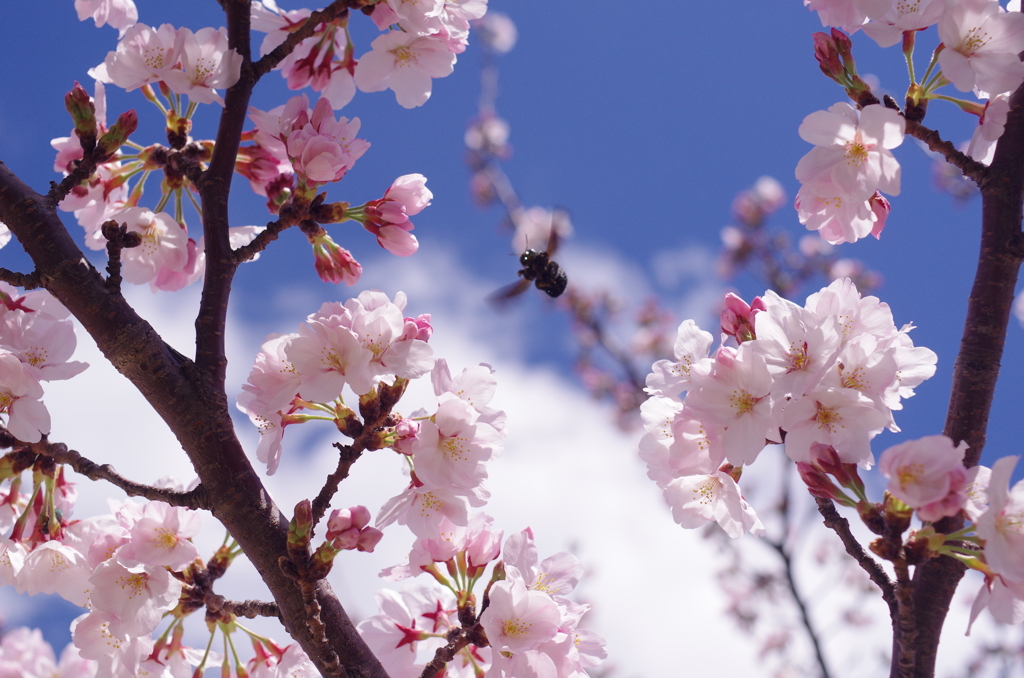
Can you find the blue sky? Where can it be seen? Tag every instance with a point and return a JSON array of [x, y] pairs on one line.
[[643, 120]]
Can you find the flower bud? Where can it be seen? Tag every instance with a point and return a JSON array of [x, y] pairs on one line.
[[83, 113], [116, 136]]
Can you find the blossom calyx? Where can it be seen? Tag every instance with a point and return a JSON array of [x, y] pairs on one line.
[[83, 113], [331, 213], [369, 405], [116, 136]]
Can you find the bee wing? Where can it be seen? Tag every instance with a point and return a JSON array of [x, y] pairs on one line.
[[500, 298], [553, 241]]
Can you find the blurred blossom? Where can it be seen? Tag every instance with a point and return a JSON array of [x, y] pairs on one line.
[[811, 245], [488, 133], [534, 227], [497, 32], [751, 206]]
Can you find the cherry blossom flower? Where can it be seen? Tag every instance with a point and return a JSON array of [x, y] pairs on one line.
[[132, 599], [206, 64], [27, 417], [1002, 525], [519, 619], [927, 474], [734, 395], [164, 244], [888, 29], [671, 377], [272, 386], [143, 55], [452, 447], [981, 46], [848, 15], [120, 14], [162, 536], [556, 575], [853, 151], [323, 149], [990, 128], [406, 64], [388, 218], [699, 499], [842, 418]]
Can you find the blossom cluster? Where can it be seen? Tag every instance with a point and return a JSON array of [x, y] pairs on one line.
[[357, 344], [530, 624], [844, 177], [119, 566], [37, 340], [928, 476], [826, 375], [190, 64], [429, 36]]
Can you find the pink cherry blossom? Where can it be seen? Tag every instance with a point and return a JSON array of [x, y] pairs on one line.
[[132, 599], [697, 500], [924, 473], [848, 15], [1002, 525], [734, 395], [519, 619], [405, 63], [162, 536], [144, 55], [120, 14], [990, 127], [842, 418], [206, 64], [853, 150], [671, 377], [323, 149], [452, 447], [164, 244], [27, 418], [888, 29], [981, 46]]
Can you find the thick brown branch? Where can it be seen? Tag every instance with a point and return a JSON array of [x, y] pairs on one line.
[[193, 499], [841, 526], [977, 363]]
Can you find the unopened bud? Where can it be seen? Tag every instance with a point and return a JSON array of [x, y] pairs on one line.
[[83, 113], [116, 136]]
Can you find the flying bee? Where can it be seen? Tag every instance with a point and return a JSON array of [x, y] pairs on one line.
[[538, 268]]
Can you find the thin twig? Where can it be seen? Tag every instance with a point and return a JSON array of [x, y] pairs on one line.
[[348, 456], [457, 639], [970, 167], [250, 609], [59, 452], [841, 526], [804, 614]]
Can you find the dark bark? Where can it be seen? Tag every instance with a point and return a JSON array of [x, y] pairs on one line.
[[977, 363]]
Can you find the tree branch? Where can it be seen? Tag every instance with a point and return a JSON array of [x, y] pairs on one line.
[[194, 499], [970, 167], [977, 363], [841, 526]]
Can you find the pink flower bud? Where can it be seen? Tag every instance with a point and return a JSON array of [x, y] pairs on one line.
[[334, 263], [881, 208], [369, 537]]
